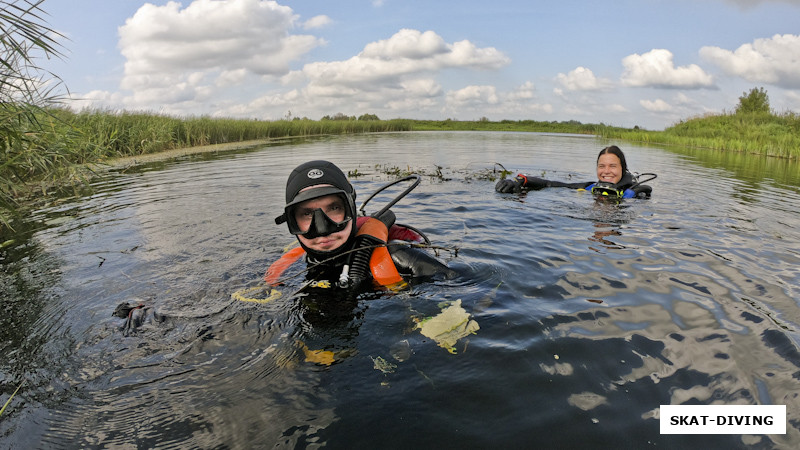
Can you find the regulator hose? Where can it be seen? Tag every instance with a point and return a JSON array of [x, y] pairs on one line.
[[373, 233], [415, 177], [638, 182]]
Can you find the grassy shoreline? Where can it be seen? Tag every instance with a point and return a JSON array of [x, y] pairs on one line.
[[123, 162], [62, 148]]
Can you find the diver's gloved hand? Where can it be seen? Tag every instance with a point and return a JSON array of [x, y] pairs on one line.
[[510, 185]]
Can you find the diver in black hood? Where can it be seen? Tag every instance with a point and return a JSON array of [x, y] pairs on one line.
[[613, 179], [320, 211]]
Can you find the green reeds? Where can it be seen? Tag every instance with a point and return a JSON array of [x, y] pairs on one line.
[[759, 133], [42, 149], [46, 149]]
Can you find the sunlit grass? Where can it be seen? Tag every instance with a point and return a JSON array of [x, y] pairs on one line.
[[762, 134], [51, 148]]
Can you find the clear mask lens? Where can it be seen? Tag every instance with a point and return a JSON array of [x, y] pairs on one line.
[[319, 216], [606, 190]]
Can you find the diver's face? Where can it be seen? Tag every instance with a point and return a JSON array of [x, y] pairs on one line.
[[334, 207], [609, 168]]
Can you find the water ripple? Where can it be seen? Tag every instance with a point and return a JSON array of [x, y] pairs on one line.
[[590, 315]]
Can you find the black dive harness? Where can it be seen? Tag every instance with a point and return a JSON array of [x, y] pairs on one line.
[[629, 182], [374, 235]]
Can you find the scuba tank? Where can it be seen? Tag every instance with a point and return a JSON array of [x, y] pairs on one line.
[[369, 250]]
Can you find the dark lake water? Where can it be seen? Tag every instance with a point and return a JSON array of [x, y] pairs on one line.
[[590, 315]]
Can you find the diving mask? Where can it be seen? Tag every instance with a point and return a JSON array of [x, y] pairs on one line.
[[318, 212], [606, 189]]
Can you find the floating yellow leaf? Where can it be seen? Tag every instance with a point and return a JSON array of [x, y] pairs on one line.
[[318, 356], [242, 295], [450, 325], [383, 365]]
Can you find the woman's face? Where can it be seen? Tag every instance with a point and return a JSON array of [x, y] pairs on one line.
[[609, 168]]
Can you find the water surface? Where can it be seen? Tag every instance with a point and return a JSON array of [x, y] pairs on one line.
[[590, 315]]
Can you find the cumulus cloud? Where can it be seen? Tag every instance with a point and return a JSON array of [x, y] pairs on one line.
[[615, 107], [657, 69], [582, 79], [747, 4], [91, 99], [483, 100], [398, 73], [422, 87], [167, 45], [657, 105], [473, 95], [407, 53], [774, 60], [521, 101], [793, 99], [194, 59], [316, 22], [524, 92], [407, 44]]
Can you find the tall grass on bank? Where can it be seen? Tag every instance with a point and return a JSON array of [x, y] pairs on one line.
[[128, 134], [759, 133], [46, 149], [55, 145], [572, 126]]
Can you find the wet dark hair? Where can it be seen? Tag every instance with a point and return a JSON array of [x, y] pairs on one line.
[[614, 150]]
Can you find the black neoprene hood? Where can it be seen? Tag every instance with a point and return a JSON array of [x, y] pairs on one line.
[[313, 173]]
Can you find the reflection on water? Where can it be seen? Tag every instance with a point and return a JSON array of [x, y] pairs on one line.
[[588, 315]]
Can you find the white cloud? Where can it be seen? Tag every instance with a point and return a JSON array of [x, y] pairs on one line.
[[407, 43], [774, 60], [748, 4], [524, 92], [316, 22], [407, 54], [422, 87], [472, 96], [616, 107], [485, 100], [656, 69], [231, 77], [201, 59], [165, 45], [91, 99], [582, 79], [683, 99], [521, 101], [657, 105]]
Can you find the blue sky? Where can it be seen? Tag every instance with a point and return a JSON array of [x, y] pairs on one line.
[[632, 62]]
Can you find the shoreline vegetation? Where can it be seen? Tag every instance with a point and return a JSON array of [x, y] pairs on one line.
[[46, 149], [57, 149]]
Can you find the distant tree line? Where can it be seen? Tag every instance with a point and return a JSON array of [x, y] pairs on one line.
[[341, 116]]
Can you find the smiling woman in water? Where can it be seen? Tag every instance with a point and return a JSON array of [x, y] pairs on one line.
[[613, 179]]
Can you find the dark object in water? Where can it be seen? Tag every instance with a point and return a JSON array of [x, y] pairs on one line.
[[135, 315]]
